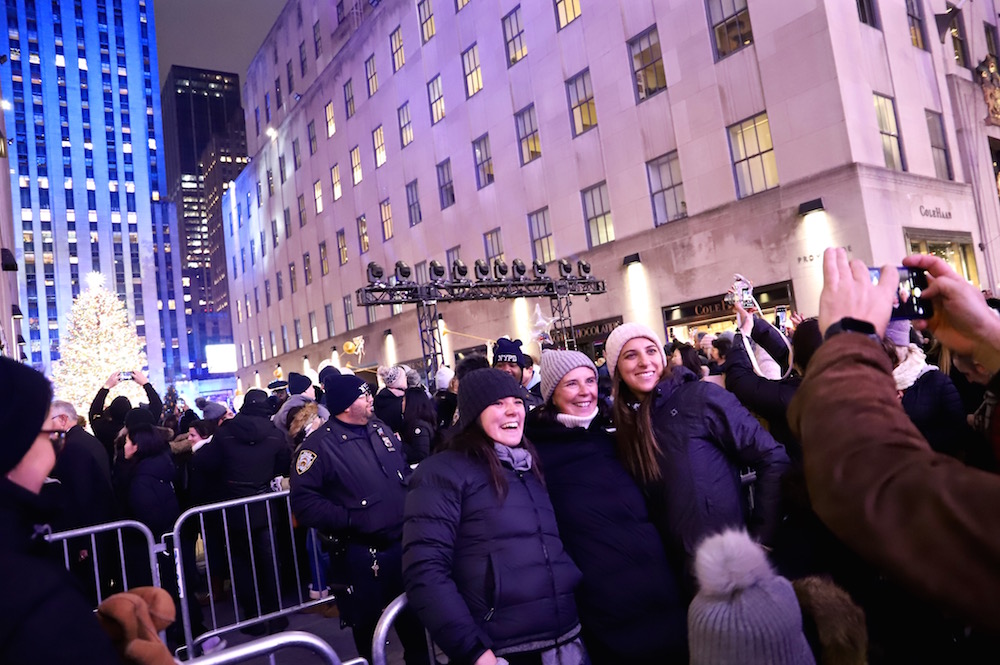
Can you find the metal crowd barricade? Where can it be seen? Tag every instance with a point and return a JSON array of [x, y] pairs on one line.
[[110, 576], [269, 646], [260, 531], [381, 636]]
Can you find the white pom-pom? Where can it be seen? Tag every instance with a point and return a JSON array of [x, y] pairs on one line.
[[729, 562]]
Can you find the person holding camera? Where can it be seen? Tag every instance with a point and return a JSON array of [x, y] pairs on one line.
[[108, 423], [922, 517]]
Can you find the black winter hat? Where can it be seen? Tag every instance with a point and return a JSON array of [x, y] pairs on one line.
[[329, 370], [298, 383], [22, 411], [255, 403], [119, 408], [342, 390], [508, 351], [480, 388], [138, 417]]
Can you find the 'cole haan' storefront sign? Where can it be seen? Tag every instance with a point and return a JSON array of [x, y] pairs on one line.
[[935, 213]]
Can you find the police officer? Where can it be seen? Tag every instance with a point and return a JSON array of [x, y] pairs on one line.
[[508, 358], [349, 482]]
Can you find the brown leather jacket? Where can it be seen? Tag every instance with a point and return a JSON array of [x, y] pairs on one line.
[[924, 518]]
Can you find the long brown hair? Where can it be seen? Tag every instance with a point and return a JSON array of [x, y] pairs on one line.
[[637, 447], [473, 442]]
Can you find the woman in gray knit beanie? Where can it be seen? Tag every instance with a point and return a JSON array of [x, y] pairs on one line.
[[629, 602]]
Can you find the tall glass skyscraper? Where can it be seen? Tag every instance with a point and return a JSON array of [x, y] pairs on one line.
[[87, 171]]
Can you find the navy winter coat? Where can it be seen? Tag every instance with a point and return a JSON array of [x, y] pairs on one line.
[[935, 407], [146, 488], [706, 437], [246, 452], [630, 604], [481, 573]]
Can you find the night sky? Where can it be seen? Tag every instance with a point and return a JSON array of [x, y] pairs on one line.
[[212, 34]]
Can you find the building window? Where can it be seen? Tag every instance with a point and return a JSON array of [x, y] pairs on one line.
[[356, 174], [317, 39], [494, 245], [542, 246], [378, 142], [991, 39], [298, 333], [885, 110], [413, 203], [567, 11], [396, 44], [349, 312], [915, 16], [302, 58], [296, 154], [307, 272], [666, 189], [349, 98], [385, 211], [256, 119], [452, 255], [957, 30], [288, 223], [331, 124], [318, 196], [302, 210], [279, 282], [753, 156], [939, 146], [274, 232], [274, 344], [647, 64], [267, 107], [484, 161], [446, 188], [363, 234], [263, 349], [405, 126], [342, 246], [267, 292], [324, 259], [426, 13], [473, 73], [293, 282], [730, 26], [581, 102], [866, 12], [281, 169], [371, 74], [313, 328], [513, 34], [270, 182], [527, 135], [330, 329], [311, 133], [597, 211], [277, 93], [436, 96], [284, 339], [335, 179]]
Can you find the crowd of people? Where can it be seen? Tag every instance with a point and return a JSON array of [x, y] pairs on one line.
[[817, 493]]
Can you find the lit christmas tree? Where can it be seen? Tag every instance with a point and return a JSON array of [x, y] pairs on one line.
[[100, 340]]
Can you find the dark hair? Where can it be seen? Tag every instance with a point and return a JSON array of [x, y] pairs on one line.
[[204, 428], [469, 364], [636, 444], [890, 350], [722, 345], [689, 358], [473, 442], [148, 442], [418, 407], [805, 341]]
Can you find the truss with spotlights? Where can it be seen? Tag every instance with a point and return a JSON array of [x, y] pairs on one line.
[[502, 282]]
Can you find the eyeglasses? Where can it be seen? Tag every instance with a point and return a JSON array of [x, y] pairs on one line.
[[57, 437]]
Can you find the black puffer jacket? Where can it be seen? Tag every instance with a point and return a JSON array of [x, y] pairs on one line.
[[630, 604], [481, 573], [245, 454], [145, 488], [935, 407], [705, 438], [389, 409]]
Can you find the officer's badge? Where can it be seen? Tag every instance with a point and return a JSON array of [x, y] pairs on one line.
[[304, 461], [385, 439]]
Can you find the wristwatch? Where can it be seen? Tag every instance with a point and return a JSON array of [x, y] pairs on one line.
[[847, 324]]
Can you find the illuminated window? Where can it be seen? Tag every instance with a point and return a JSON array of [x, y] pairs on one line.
[[372, 75], [446, 187], [513, 33], [885, 110], [363, 234], [335, 180], [542, 245], [342, 246], [331, 124], [957, 30], [915, 17], [753, 155], [324, 259], [405, 126], [426, 13], [385, 210], [356, 165], [349, 98], [396, 43], [527, 135], [494, 245], [567, 11], [318, 196], [647, 64], [436, 96], [473, 72], [484, 161], [378, 143], [597, 211], [730, 26], [581, 103]]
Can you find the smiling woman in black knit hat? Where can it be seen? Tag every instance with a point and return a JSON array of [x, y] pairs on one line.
[[482, 561]]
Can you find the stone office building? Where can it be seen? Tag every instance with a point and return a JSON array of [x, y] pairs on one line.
[[668, 144]]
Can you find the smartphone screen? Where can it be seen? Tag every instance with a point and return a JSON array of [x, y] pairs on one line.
[[781, 315], [910, 303]]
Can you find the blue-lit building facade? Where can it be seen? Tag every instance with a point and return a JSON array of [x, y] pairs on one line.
[[87, 171]]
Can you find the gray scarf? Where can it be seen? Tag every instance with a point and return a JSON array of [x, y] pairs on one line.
[[518, 458]]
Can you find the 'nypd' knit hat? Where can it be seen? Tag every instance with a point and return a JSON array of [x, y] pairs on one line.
[[557, 364], [22, 410], [480, 388], [620, 336], [508, 351], [342, 390], [743, 613]]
